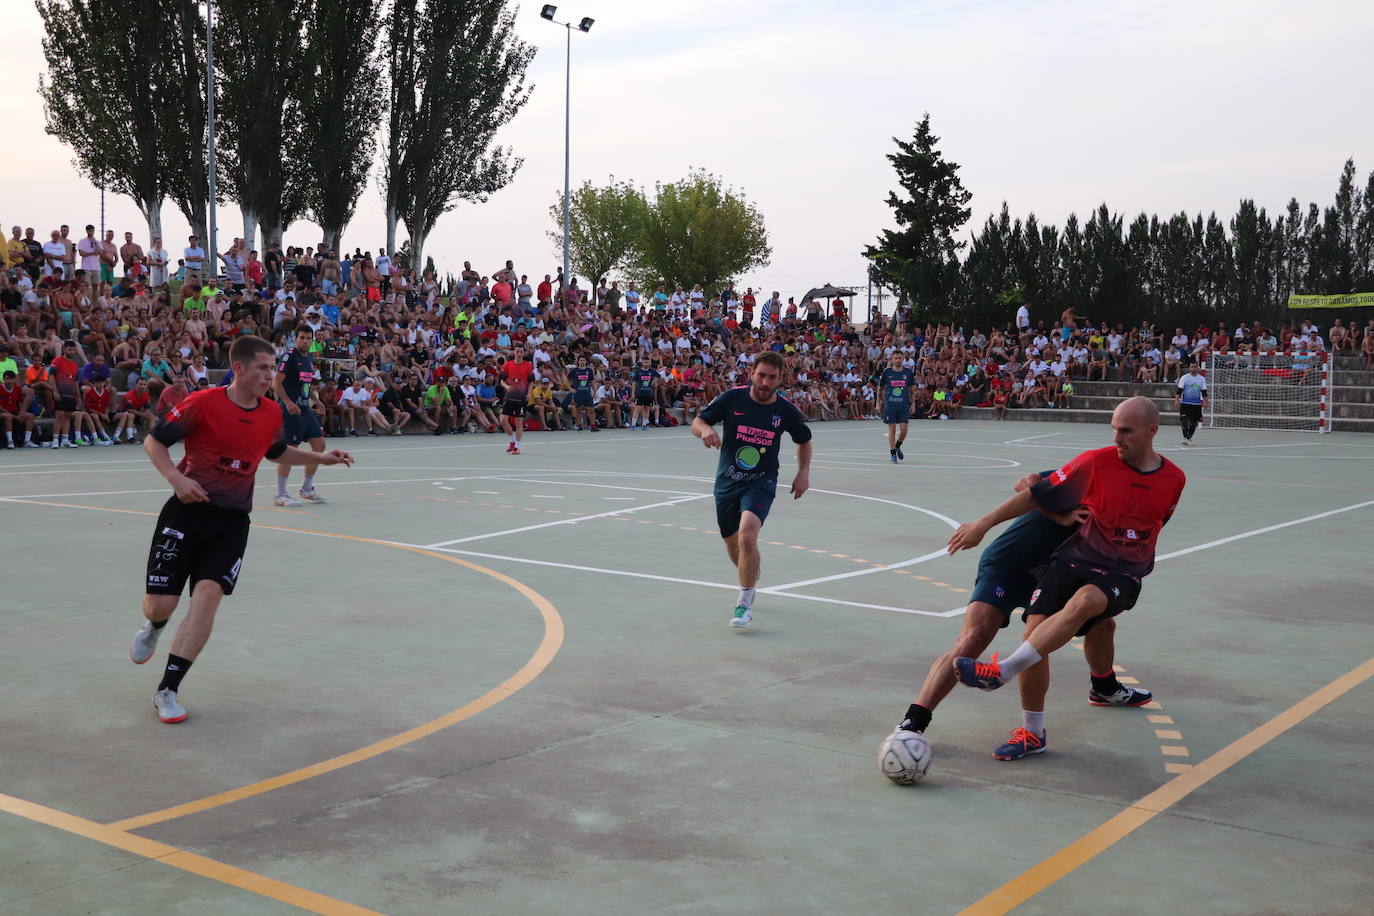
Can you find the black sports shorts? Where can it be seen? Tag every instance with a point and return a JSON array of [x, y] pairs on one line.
[[513, 409], [1062, 579], [196, 541], [644, 399]]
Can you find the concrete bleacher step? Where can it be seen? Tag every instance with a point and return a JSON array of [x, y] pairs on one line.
[[1057, 414]]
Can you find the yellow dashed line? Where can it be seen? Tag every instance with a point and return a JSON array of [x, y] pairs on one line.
[[795, 547], [962, 591], [1159, 720], [1173, 750], [778, 543], [1177, 767], [842, 556], [941, 584], [818, 550], [1169, 734], [922, 578], [1128, 680], [901, 572]]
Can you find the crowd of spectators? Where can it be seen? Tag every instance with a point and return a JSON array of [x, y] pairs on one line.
[[103, 338]]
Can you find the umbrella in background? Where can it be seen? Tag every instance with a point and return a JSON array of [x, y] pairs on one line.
[[828, 292]]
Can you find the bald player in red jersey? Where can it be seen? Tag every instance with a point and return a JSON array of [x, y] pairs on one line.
[[1130, 492], [203, 529], [516, 373]]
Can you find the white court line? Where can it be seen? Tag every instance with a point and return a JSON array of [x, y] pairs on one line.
[[952, 612], [599, 486], [681, 581], [592, 569], [778, 589], [488, 492], [333, 482], [618, 498], [564, 521], [542, 496], [1265, 530], [1029, 438]]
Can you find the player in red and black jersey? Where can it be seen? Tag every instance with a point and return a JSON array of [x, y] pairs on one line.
[[1130, 492], [516, 374], [203, 529]]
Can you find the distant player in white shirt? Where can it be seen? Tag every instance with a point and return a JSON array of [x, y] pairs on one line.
[[1192, 395]]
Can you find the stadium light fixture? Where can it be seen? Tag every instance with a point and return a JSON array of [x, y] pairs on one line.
[[584, 26]]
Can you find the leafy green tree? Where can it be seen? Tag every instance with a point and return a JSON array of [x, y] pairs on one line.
[[933, 206], [340, 98], [697, 230], [260, 71], [130, 127], [455, 76], [605, 229]]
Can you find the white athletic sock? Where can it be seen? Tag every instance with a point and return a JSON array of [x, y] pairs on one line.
[[129, 433], [1034, 722], [28, 436], [746, 597], [62, 440], [9, 437], [1018, 661], [308, 483], [281, 485]]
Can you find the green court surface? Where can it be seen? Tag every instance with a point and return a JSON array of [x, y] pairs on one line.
[[482, 683]]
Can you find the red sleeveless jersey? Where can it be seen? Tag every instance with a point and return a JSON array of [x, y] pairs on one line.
[[1128, 508], [225, 443]]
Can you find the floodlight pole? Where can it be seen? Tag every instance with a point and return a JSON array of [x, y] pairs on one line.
[[210, 119], [567, 154]]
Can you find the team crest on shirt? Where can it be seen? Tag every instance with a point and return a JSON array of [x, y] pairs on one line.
[[1035, 596], [777, 420], [1000, 592]]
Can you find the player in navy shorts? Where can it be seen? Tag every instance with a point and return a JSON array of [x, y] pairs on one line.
[[897, 384], [755, 418], [1129, 492]]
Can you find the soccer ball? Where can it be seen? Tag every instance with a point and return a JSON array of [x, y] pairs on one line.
[[904, 757]]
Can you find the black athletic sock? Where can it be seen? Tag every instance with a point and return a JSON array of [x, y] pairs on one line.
[[900, 441], [159, 624], [176, 670], [892, 452], [1105, 684], [918, 718]]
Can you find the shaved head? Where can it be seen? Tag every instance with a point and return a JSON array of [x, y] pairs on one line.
[[1138, 411], [1134, 424]]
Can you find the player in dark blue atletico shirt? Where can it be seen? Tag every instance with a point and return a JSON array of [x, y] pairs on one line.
[[644, 379], [755, 418], [581, 377], [897, 383], [295, 375]]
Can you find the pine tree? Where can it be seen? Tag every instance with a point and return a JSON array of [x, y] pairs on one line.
[[913, 260]]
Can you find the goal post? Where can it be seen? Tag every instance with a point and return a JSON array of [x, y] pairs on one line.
[[1269, 391]]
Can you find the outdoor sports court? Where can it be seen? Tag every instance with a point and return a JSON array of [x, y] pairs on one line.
[[477, 683]]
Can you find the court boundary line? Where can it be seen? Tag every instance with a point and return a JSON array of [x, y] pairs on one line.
[[1083, 850], [549, 645], [153, 851]]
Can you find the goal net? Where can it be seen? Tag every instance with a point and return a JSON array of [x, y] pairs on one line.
[[1269, 391]]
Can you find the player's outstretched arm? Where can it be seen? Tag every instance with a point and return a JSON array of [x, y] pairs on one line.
[[802, 482], [295, 457], [970, 534], [186, 489], [706, 433]]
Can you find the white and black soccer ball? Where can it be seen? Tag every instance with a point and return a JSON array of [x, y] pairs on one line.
[[904, 757]]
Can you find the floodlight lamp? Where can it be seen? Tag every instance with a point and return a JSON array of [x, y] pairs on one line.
[[586, 24], [548, 11]]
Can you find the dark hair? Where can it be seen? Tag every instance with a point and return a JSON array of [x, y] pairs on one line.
[[770, 358], [245, 349]]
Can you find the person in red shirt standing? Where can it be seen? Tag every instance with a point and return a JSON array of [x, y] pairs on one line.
[[1130, 492], [544, 293], [202, 531], [67, 389], [747, 307], [516, 374]]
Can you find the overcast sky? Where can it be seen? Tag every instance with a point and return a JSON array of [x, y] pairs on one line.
[[1054, 107]]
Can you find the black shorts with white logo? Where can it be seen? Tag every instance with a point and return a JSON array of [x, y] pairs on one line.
[[514, 408], [196, 541], [1062, 579]]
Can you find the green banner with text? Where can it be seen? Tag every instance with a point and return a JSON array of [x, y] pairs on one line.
[[1350, 300]]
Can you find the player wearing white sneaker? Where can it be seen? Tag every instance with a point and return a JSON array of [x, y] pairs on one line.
[[202, 531], [295, 375]]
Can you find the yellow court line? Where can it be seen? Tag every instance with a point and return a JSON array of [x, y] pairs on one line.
[[542, 657], [1034, 880], [186, 861]]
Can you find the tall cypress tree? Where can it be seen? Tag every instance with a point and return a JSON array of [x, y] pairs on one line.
[[914, 259]]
